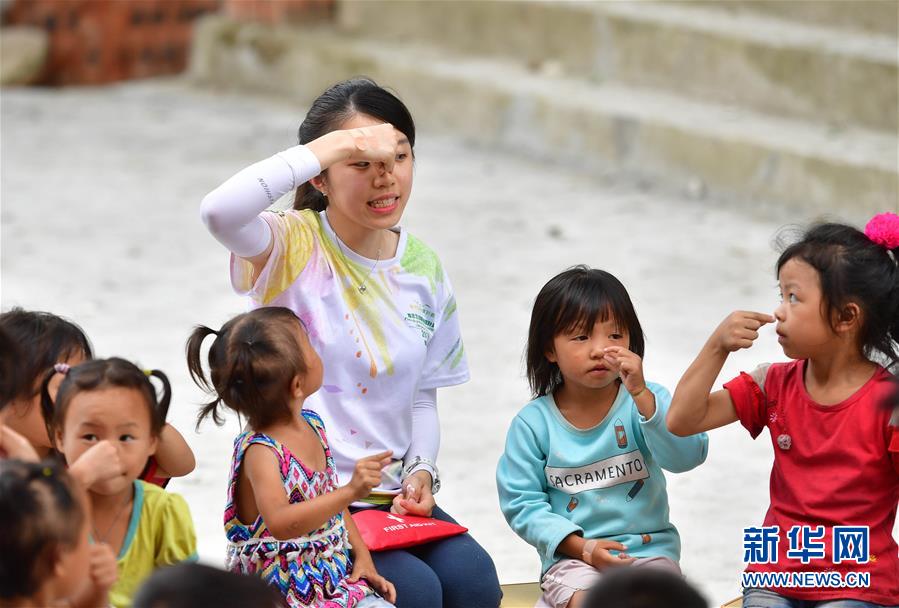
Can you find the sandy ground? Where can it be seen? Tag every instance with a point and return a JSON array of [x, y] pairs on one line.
[[100, 193]]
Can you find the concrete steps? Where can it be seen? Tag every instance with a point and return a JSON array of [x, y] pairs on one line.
[[681, 94], [699, 50], [876, 16]]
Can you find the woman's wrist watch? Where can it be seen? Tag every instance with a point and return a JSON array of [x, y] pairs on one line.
[[420, 463]]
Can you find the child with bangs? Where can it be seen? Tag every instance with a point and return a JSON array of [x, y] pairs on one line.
[[144, 526], [581, 475]]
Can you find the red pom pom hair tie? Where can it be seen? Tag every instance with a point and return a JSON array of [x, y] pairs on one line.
[[883, 229]]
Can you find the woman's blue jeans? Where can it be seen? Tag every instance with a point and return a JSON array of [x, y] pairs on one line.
[[454, 572]]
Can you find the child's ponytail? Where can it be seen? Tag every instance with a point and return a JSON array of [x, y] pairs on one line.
[[162, 405], [195, 367], [883, 231], [252, 362], [894, 326]]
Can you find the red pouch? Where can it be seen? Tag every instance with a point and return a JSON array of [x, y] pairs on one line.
[[382, 530]]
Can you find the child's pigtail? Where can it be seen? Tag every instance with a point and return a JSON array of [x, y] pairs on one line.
[[194, 362], [162, 405], [195, 367]]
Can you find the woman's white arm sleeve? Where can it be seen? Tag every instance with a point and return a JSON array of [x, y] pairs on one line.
[[231, 211], [425, 430]]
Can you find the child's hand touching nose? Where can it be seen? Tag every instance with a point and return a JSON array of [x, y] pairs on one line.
[[739, 330], [630, 369]]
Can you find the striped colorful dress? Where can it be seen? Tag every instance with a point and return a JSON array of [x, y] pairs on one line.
[[308, 571]]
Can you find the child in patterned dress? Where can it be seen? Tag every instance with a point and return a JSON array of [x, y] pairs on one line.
[[286, 518]]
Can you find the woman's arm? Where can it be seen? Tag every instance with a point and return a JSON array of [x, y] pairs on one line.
[[286, 520], [416, 497], [231, 211], [695, 408], [173, 456]]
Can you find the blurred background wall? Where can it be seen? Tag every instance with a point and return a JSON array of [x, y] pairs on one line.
[[764, 102]]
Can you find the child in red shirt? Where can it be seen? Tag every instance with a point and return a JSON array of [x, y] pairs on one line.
[[836, 454]]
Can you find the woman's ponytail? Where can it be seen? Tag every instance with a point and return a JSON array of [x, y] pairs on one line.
[[309, 197]]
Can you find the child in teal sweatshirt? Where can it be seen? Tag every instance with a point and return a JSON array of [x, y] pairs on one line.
[[581, 476]]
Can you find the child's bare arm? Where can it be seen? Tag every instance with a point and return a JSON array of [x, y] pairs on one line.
[[363, 565], [286, 520], [694, 408], [173, 456]]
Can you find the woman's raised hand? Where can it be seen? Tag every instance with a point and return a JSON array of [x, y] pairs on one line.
[[739, 330], [374, 144], [367, 474]]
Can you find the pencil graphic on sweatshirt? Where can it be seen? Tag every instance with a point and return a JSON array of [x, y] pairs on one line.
[[638, 485]]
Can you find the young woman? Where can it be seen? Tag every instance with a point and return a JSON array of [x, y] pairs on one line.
[[378, 306]]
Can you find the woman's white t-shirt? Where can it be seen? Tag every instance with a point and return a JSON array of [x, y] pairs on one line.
[[378, 346]]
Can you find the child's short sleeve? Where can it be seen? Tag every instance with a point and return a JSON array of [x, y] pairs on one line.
[[748, 395], [445, 361], [176, 540], [294, 240]]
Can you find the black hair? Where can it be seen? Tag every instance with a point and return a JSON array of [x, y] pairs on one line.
[[10, 363], [643, 588], [252, 362], [43, 340], [337, 105], [191, 585], [99, 374], [854, 269], [575, 298], [40, 513]]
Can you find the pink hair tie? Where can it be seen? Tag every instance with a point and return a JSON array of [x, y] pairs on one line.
[[62, 368], [883, 229]]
